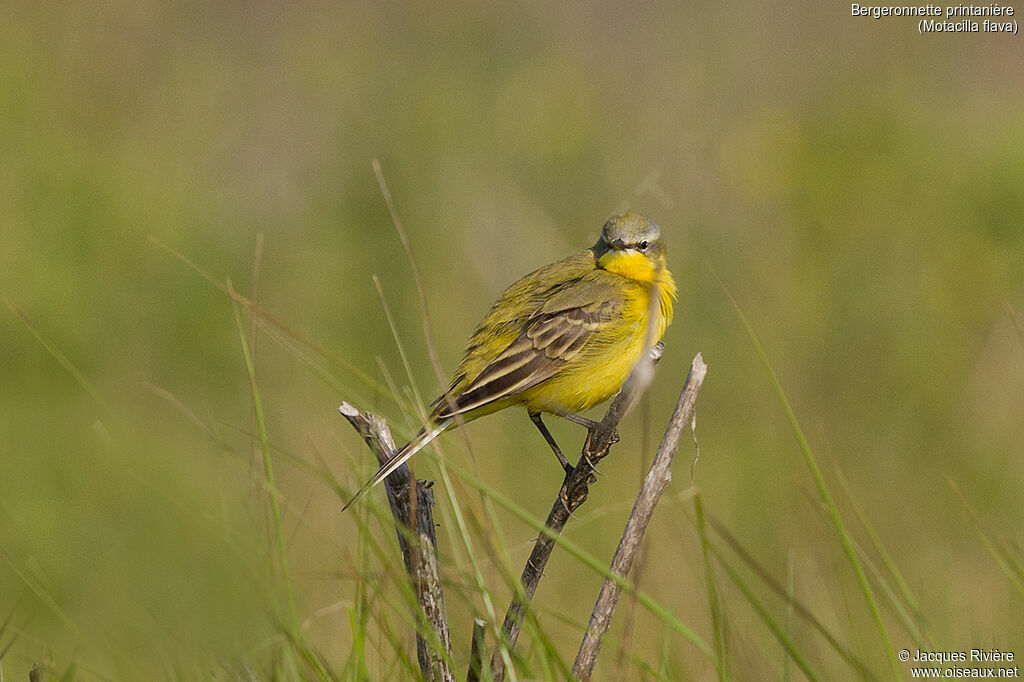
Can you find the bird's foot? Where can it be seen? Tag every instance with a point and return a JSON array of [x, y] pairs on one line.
[[593, 467]]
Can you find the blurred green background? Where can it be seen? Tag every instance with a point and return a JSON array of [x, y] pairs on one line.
[[858, 187]]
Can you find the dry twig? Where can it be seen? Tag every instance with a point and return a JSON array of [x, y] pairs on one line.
[[418, 545], [654, 485], [573, 493]]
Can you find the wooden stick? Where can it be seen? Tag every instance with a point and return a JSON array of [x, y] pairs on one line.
[[658, 478], [418, 545], [573, 493]]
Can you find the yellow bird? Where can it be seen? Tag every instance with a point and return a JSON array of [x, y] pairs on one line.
[[562, 339]]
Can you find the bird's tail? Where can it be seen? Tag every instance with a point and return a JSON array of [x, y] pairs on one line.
[[422, 439]]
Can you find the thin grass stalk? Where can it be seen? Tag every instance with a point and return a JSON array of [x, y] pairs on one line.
[[787, 667], [826, 496], [714, 603], [43, 595], [883, 552], [276, 321], [62, 359], [268, 471], [257, 265], [779, 632], [590, 561], [766, 577], [1006, 563], [494, 537]]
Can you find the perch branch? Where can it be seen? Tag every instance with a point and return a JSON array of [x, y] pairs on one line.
[[418, 545], [573, 493], [658, 478]]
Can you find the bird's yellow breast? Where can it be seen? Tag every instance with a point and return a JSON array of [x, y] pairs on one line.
[[597, 375], [630, 264], [641, 268]]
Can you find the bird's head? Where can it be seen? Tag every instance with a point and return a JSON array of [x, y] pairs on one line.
[[631, 245]]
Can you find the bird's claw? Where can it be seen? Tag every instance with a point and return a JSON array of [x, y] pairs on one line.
[[593, 467]]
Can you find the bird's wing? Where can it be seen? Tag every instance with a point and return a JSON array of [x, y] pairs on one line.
[[551, 338]]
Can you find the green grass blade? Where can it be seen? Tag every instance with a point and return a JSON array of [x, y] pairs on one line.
[[1006, 563], [61, 359], [787, 673], [69, 674], [780, 633], [917, 623], [1016, 323], [270, 318], [717, 617], [268, 467], [826, 496], [747, 558], [43, 595], [898, 607], [588, 560]]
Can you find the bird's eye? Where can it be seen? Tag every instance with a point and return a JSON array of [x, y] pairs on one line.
[[643, 245]]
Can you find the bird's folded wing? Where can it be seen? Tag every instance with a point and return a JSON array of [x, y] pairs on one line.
[[553, 337]]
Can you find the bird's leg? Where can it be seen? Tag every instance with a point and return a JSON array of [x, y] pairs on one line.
[[588, 424], [535, 418]]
